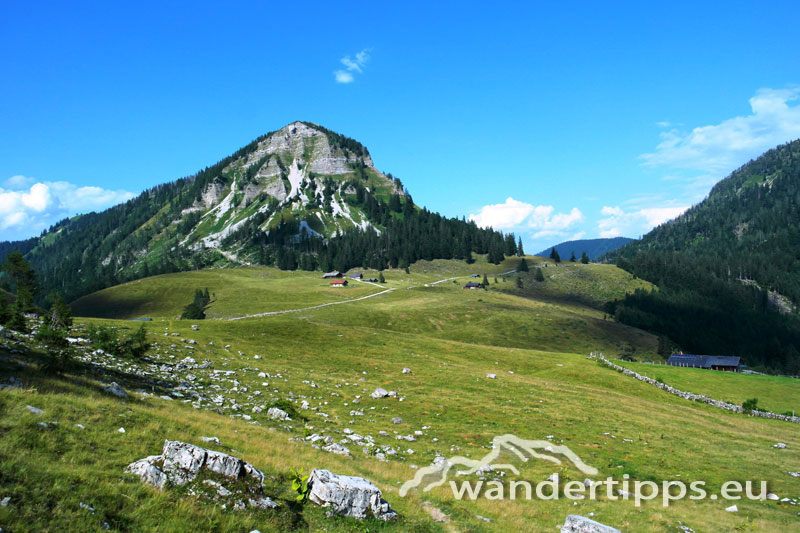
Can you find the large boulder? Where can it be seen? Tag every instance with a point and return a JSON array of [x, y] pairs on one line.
[[180, 463], [350, 496], [148, 472], [580, 524]]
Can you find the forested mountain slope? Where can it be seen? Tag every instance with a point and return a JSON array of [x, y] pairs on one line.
[[728, 268], [300, 197], [594, 248]]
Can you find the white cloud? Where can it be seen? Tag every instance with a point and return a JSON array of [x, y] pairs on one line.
[[541, 219], [342, 76], [28, 206], [721, 148], [635, 222], [352, 66], [503, 216]]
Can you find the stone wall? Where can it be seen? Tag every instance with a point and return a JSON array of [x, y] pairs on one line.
[[691, 396]]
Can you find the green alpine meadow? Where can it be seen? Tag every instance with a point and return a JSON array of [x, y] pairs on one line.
[[430, 268]]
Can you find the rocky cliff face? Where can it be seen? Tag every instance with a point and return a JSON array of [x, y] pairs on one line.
[[302, 171]]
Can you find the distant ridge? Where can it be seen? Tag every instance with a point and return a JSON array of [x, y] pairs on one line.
[[594, 248]]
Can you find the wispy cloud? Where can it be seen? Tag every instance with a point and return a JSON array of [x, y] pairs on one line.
[[539, 220], [617, 222], [27, 205], [352, 66], [720, 148]]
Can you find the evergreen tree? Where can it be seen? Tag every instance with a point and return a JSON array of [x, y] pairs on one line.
[[520, 251], [60, 313], [572, 257], [523, 265], [23, 278], [538, 275], [485, 280], [584, 258], [519, 282], [381, 279], [554, 255], [197, 309], [17, 321]]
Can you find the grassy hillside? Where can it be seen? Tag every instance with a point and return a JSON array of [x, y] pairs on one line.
[[332, 358], [575, 400], [549, 316], [774, 393]]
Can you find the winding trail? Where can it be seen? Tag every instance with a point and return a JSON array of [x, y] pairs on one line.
[[320, 306], [457, 277], [272, 313]]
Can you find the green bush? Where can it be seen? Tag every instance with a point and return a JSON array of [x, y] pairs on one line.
[[108, 340], [750, 405]]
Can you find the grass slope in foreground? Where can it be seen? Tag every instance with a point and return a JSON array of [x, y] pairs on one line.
[[333, 360]]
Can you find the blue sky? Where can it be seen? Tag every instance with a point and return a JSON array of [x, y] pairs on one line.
[[551, 120]]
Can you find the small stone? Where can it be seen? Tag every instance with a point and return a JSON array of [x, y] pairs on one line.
[[34, 410], [732, 509], [406, 370], [215, 440], [121, 430], [397, 420], [277, 414], [5, 501], [491, 376], [116, 390], [337, 449], [580, 524], [780, 446], [380, 393], [87, 507]]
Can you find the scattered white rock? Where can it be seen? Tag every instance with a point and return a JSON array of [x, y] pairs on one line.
[[780, 446], [5, 501], [116, 390], [491, 376], [581, 524], [34, 410], [336, 448], [277, 414], [380, 393], [406, 370], [121, 430], [215, 440], [87, 507], [732, 509]]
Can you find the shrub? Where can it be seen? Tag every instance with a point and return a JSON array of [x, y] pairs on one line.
[[300, 485], [108, 340], [750, 405]]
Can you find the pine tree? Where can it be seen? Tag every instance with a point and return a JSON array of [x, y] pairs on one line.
[[485, 280], [538, 276], [519, 282], [572, 257], [584, 258], [381, 279], [523, 265], [23, 277], [554, 255], [520, 251]]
